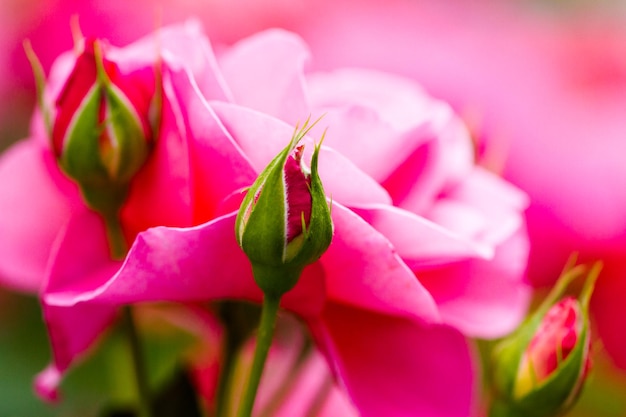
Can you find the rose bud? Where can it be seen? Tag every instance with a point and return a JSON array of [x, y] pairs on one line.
[[284, 221], [101, 133], [541, 368]]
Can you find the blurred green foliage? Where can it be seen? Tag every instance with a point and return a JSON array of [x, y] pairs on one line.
[[102, 382]]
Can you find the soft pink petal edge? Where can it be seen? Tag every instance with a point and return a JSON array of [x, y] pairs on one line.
[[35, 201]]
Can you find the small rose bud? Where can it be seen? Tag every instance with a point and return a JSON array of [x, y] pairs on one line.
[[553, 342], [284, 221], [101, 133], [541, 368]]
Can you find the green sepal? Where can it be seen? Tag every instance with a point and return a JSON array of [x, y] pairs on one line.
[[40, 84], [82, 157], [262, 235], [134, 146]]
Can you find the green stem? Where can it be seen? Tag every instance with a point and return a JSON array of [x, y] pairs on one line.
[[141, 379], [118, 247], [115, 235], [225, 377], [239, 320], [263, 343]]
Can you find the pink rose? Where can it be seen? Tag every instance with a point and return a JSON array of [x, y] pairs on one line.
[[419, 152], [383, 300]]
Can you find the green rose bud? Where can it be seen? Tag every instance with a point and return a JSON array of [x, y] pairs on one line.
[[540, 369], [284, 221]]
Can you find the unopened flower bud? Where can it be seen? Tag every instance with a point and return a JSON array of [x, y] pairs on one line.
[[553, 342], [101, 133], [541, 368], [284, 221]]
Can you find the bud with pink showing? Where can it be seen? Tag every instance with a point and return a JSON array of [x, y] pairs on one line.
[[284, 221], [101, 130], [540, 369]]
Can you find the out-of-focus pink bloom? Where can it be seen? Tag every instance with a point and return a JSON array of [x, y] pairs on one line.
[[580, 202], [381, 300], [45, 22]]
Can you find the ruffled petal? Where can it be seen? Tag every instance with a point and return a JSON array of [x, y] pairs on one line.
[[443, 160], [36, 201], [400, 102], [78, 263], [419, 241], [396, 367], [262, 137], [363, 269], [72, 331], [276, 84], [219, 167], [483, 298], [376, 119], [160, 193], [181, 46], [81, 257], [201, 263], [483, 208]]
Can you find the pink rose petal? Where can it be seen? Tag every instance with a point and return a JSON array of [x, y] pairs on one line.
[[276, 84], [261, 137], [33, 210], [395, 367], [482, 298], [363, 269]]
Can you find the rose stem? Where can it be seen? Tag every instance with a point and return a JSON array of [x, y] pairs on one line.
[[119, 248], [263, 343], [138, 364]]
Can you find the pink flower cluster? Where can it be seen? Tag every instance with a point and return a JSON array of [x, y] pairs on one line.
[[428, 247]]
